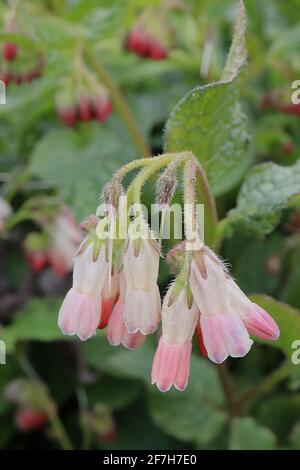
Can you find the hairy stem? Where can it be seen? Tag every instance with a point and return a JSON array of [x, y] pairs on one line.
[[228, 390], [135, 189], [204, 195], [120, 104]]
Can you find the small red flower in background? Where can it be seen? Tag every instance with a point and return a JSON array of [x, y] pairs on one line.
[[140, 42], [289, 108], [20, 65], [28, 419], [88, 102], [288, 148], [10, 51], [151, 36]]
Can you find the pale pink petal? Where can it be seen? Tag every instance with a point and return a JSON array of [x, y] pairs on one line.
[[213, 338], [117, 332], [116, 326], [182, 376], [141, 310], [133, 341], [69, 313], [106, 310], [79, 314], [259, 323], [224, 335], [166, 364]]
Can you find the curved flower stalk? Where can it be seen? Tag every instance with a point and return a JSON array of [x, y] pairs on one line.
[[227, 315]]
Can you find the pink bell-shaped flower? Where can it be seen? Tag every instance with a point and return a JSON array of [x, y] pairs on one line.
[[171, 364], [142, 298], [223, 331]]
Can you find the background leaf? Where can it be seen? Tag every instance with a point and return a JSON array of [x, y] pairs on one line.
[[287, 318], [209, 121], [78, 165], [38, 321], [266, 191], [246, 434]]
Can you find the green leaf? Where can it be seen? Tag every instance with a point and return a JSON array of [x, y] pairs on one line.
[[295, 436], [79, 164], [246, 434], [288, 320], [97, 351], [267, 190], [115, 392], [38, 322], [251, 268], [194, 415], [137, 431], [134, 364], [280, 414], [209, 121]]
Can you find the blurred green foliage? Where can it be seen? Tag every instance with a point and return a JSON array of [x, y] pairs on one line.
[[256, 185]]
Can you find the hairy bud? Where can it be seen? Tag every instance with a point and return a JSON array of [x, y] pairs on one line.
[[166, 186], [111, 193]]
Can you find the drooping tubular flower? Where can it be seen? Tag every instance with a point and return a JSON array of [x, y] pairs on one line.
[[80, 312], [227, 316], [141, 263], [171, 363], [117, 332]]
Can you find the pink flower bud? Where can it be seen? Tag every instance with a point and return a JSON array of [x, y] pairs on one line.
[[89, 276], [79, 314], [117, 332], [172, 359], [257, 321]]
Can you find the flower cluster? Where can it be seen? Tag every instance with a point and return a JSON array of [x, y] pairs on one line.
[[19, 65], [140, 41], [81, 97], [151, 36], [86, 108], [115, 285]]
